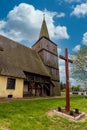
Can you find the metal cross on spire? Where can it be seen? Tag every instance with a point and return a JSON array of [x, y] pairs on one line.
[[67, 78]]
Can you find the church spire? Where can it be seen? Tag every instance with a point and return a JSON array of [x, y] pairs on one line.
[[44, 30]]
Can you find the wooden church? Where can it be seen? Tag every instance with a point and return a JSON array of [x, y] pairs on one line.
[[28, 71]]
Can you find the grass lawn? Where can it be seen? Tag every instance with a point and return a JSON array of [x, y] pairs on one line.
[[32, 115]]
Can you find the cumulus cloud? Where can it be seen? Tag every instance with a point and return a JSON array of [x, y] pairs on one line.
[[70, 1], [77, 48], [72, 81], [2, 24], [59, 15], [62, 73], [23, 24], [80, 10], [84, 40], [60, 32], [59, 50]]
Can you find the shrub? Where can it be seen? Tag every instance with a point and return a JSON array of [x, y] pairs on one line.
[[77, 111], [71, 112], [85, 96], [59, 108]]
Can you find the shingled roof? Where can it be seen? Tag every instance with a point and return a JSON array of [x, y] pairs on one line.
[[16, 58], [44, 30]]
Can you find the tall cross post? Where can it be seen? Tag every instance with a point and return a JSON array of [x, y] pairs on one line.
[[67, 77]]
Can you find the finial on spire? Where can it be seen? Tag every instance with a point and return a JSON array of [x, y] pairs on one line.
[[44, 30], [44, 16]]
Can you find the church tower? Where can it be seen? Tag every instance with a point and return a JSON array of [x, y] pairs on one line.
[[49, 55]]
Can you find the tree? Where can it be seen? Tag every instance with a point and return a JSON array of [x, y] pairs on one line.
[[76, 88], [62, 86], [80, 65]]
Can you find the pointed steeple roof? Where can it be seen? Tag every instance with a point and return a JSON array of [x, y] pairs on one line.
[[44, 30]]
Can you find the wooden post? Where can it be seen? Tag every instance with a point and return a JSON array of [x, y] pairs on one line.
[[67, 78], [35, 89]]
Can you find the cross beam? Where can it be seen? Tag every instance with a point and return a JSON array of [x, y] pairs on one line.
[[62, 57], [67, 77]]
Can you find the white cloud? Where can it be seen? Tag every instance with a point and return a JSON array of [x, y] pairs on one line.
[[84, 40], [72, 82], [59, 15], [70, 1], [77, 48], [62, 73], [24, 22], [59, 50], [60, 32], [62, 70], [80, 10], [2, 24]]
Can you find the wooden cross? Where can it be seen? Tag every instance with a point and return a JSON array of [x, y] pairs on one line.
[[67, 78]]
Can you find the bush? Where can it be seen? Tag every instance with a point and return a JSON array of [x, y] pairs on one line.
[[85, 96], [77, 111], [59, 108], [71, 112]]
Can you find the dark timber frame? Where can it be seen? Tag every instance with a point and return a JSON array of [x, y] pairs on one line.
[[37, 85]]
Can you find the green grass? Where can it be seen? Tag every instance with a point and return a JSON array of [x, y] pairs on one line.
[[32, 115]]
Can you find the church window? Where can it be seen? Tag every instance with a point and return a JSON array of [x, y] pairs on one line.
[[11, 83]]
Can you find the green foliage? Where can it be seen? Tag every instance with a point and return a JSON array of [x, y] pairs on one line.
[[59, 108], [80, 65], [71, 112], [76, 88], [85, 97], [77, 111], [62, 86]]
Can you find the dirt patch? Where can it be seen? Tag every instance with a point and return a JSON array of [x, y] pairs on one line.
[[51, 113]]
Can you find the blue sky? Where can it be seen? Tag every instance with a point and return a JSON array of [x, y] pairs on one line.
[[66, 20]]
